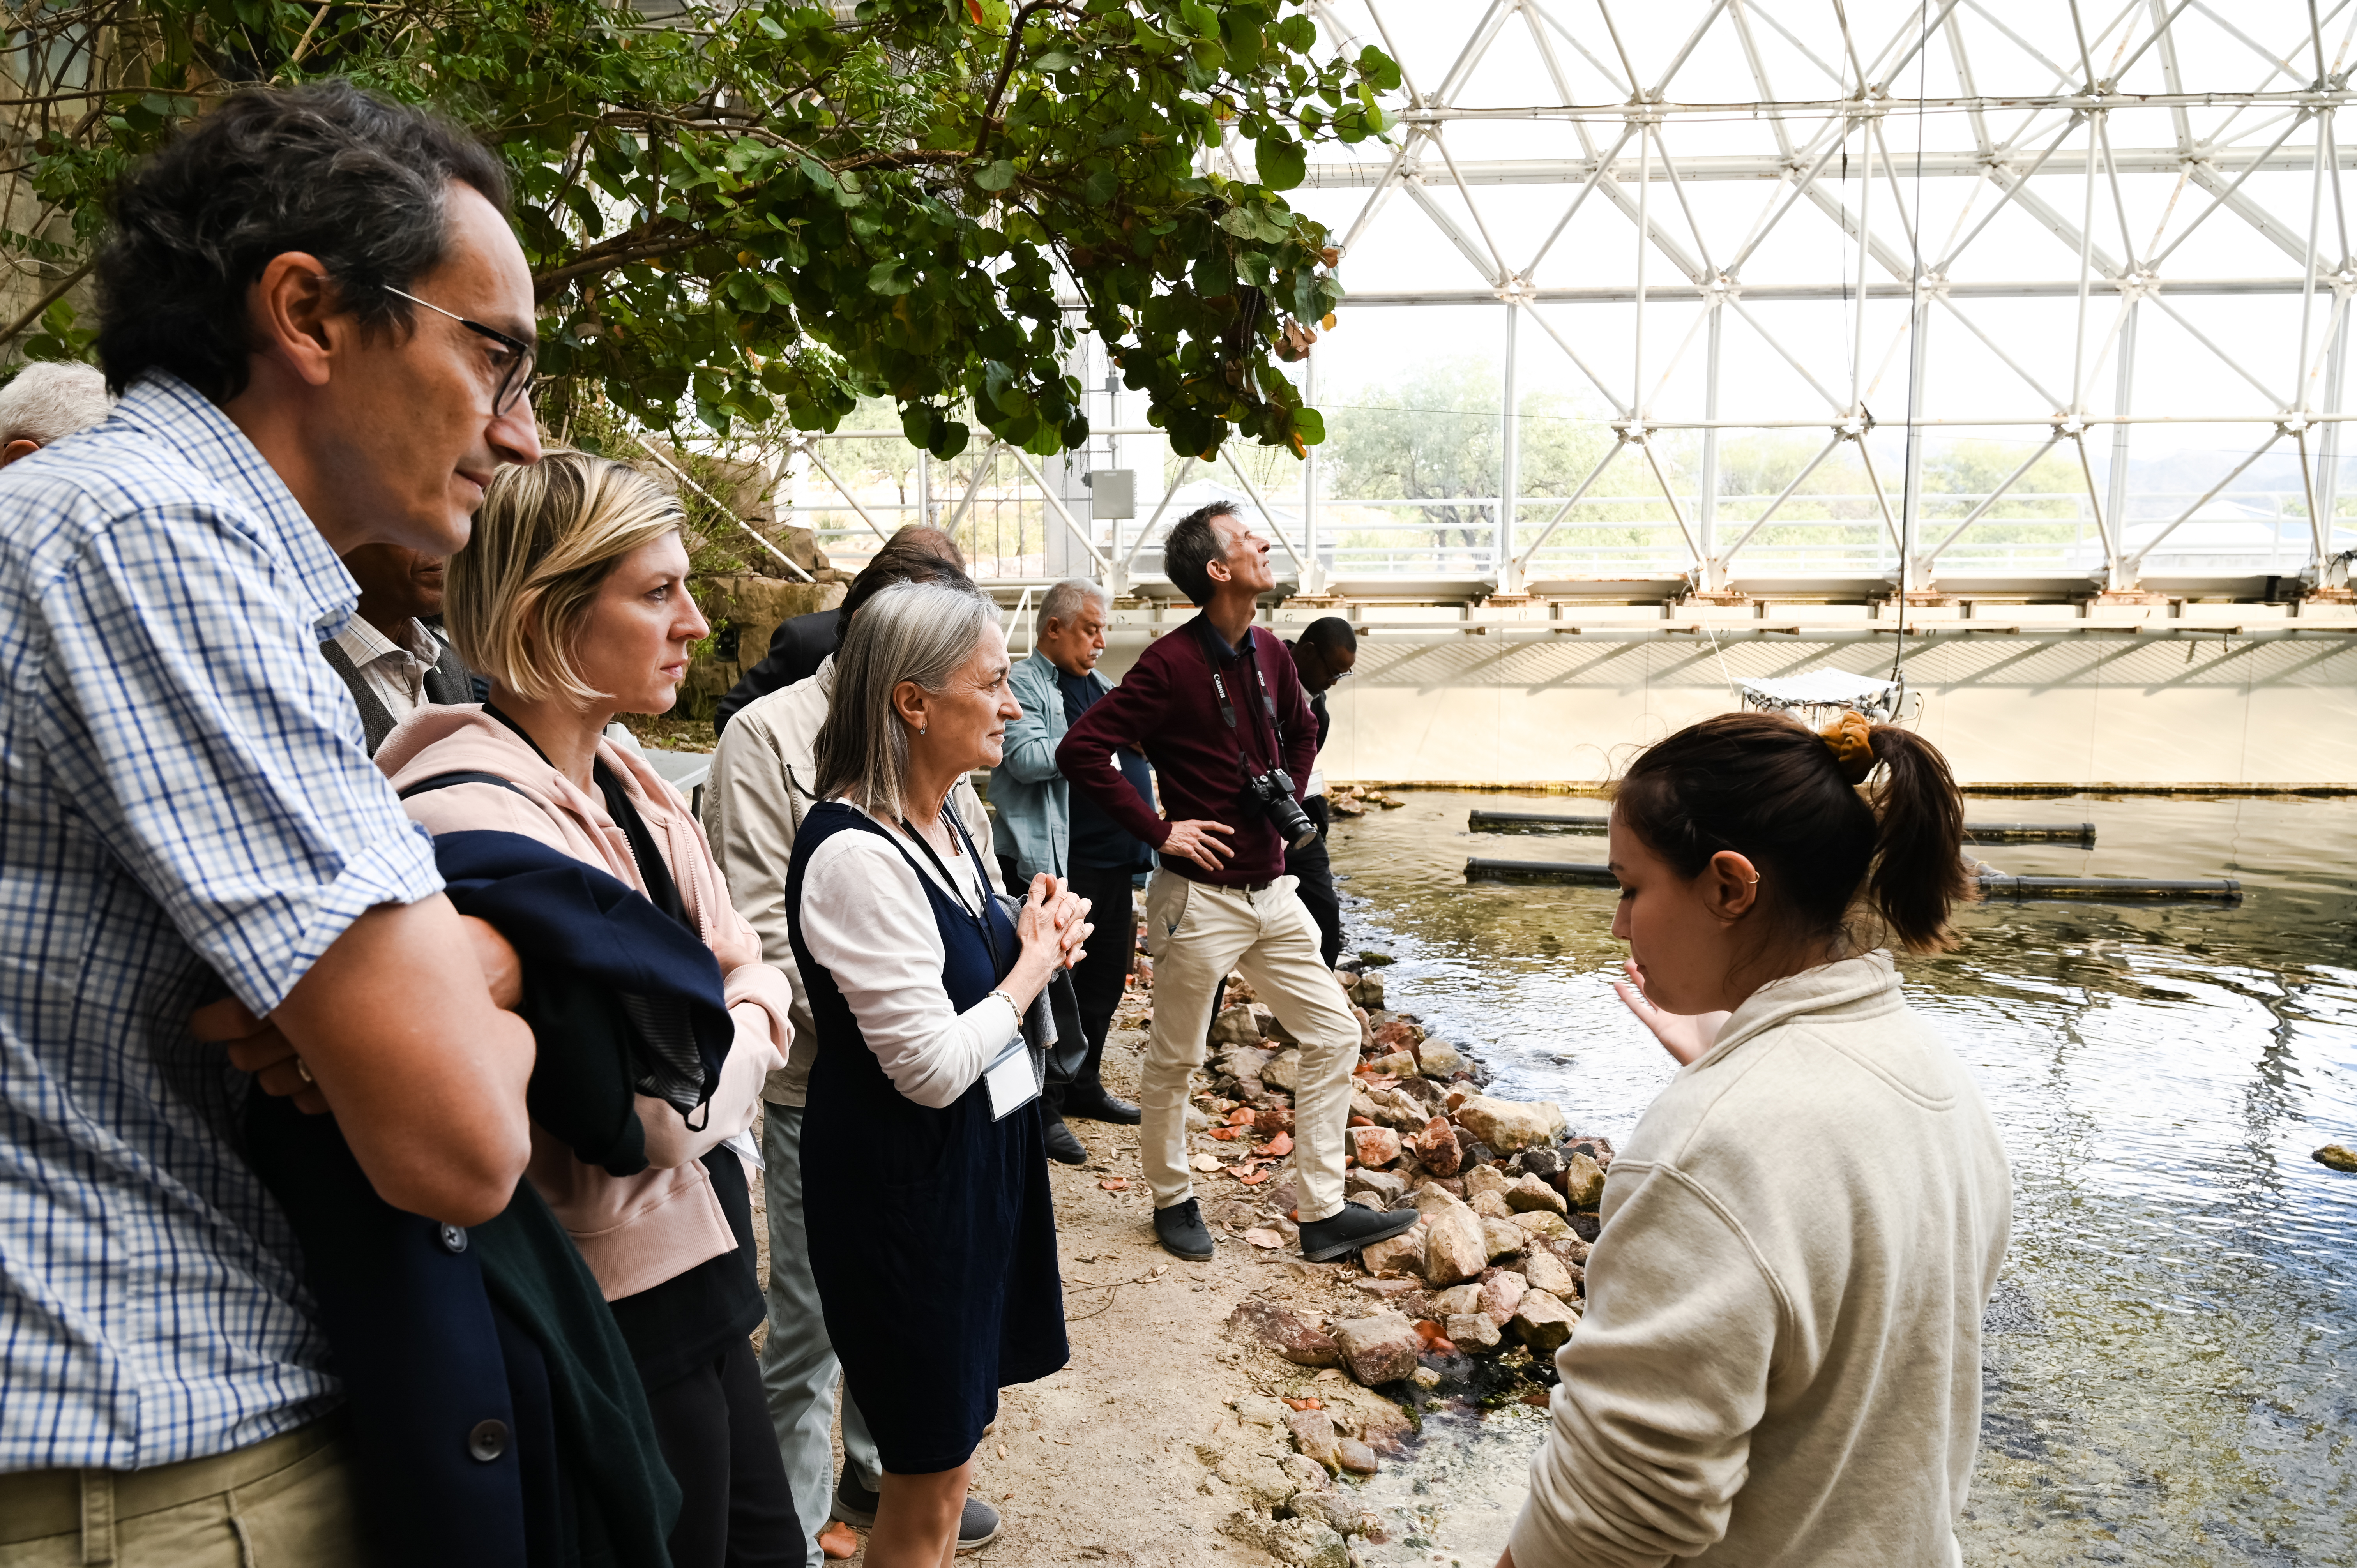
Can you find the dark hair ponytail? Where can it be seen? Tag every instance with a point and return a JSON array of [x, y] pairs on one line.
[[1918, 865], [1783, 796]]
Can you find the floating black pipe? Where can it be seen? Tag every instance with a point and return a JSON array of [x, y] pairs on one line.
[[2138, 889], [2081, 833], [1553, 871], [2221, 890], [1532, 823]]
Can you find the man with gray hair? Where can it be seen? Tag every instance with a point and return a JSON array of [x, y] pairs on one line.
[[1052, 830], [48, 401]]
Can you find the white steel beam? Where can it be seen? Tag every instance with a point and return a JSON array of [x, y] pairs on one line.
[[1763, 294], [1509, 458], [1702, 168]]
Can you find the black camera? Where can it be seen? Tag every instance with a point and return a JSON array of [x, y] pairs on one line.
[[1273, 793]]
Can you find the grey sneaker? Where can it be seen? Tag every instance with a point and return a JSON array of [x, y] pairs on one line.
[[977, 1527]]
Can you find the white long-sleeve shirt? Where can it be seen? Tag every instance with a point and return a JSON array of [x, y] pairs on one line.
[[866, 921], [753, 806]]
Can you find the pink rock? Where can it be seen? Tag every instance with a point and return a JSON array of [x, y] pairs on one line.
[[1501, 1294], [1375, 1147], [1378, 1349], [1283, 1332], [1400, 1254], [1437, 1147], [1313, 1434]]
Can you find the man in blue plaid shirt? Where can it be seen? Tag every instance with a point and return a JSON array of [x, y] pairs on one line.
[[322, 330]]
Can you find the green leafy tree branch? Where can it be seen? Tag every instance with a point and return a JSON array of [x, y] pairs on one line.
[[739, 212]]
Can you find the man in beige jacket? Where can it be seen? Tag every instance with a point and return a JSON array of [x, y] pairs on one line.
[[1780, 1359]]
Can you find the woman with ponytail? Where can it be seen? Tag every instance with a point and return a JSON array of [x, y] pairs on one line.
[[1780, 1361]]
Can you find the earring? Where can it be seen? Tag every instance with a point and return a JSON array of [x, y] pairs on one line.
[[921, 729]]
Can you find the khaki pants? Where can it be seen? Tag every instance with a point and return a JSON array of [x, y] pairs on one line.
[[1196, 933], [283, 1503]]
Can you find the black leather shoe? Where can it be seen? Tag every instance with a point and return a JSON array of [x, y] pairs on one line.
[[977, 1527], [1323, 1240], [1182, 1232], [1062, 1146], [1094, 1105], [853, 1504]]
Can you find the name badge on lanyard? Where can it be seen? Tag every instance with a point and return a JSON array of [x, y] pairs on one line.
[[1011, 1079]]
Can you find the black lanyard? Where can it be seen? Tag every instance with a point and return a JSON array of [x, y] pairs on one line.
[[981, 919], [947, 880], [1213, 652]]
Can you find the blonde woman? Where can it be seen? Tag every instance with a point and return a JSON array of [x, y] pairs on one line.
[[572, 599]]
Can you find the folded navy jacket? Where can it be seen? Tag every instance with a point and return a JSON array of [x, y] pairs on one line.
[[636, 996], [497, 1413]]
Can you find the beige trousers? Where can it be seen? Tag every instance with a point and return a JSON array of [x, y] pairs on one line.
[[283, 1503], [1196, 933]]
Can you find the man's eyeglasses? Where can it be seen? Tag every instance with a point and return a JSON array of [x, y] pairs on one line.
[[515, 364]]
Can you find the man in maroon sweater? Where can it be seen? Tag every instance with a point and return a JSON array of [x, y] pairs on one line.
[[1210, 705]]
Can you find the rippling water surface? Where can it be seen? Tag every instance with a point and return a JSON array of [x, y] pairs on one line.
[[2172, 1367]]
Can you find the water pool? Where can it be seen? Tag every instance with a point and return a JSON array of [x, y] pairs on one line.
[[2171, 1370]]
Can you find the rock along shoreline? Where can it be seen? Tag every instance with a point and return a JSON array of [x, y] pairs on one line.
[[1465, 1309]]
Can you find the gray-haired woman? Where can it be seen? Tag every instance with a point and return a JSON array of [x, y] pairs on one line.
[[924, 1166]]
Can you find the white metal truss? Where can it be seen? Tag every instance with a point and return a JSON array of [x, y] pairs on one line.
[[1934, 221], [2108, 241]]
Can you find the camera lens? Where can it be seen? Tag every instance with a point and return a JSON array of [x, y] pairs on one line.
[[1292, 823]]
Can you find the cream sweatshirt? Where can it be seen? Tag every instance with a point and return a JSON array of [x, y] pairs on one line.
[[633, 1231], [1780, 1362]]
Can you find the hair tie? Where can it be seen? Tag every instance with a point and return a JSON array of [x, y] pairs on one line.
[[1851, 740]]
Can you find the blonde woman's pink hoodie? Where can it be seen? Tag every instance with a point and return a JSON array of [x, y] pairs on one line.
[[633, 1231]]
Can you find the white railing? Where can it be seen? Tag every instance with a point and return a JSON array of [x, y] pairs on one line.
[[1006, 529]]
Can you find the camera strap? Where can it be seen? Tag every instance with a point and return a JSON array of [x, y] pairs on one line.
[[1215, 653]]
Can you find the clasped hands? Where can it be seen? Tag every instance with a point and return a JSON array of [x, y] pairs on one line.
[[1052, 914]]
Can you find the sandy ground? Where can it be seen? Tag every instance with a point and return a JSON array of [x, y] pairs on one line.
[[1107, 1461]]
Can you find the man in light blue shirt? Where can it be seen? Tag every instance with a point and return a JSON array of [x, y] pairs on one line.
[[321, 327], [1066, 836]]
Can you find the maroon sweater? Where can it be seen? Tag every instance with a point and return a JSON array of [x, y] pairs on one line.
[[1166, 708]]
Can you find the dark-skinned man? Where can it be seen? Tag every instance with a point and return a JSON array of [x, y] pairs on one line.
[[392, 662], [1323, 654], [1216, 707]]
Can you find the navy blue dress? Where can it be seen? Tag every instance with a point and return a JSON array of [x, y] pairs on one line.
[[932, 1234]]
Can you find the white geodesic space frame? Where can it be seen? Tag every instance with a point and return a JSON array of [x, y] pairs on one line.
[[2110, 232], [1996, 297]]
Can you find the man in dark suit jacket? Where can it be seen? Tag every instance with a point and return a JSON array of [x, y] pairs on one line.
[[796, 650], [801, 645], [392, 662]]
